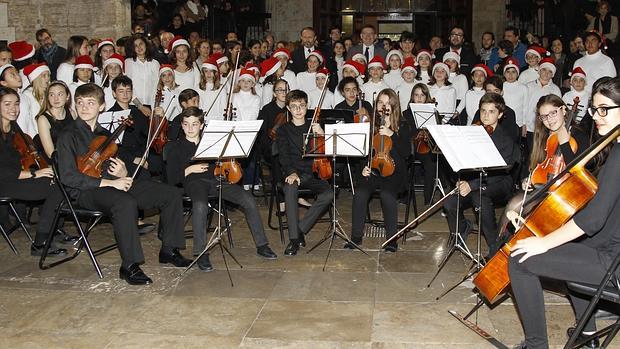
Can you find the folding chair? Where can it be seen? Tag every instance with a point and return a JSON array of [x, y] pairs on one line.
[[6, 232]]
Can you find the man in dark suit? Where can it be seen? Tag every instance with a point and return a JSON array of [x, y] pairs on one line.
[[49, 52], [456, 40], [335, 35], [307, 37], [368, 47]]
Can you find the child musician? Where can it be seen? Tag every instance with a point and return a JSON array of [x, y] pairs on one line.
[[297, 169], [214, 94], [399, 131], [117, 195], [354, 70], [375, 84], [315, 94], [496, 186], [577, 89], [199, 183], [403, 90], [350, 89]]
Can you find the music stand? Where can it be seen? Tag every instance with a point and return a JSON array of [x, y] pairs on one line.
[[425, 114], [354, 142], [111, 121], [231, 139]]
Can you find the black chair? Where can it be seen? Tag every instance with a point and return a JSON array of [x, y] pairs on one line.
[[608, 290], [68, 207], [6, 232]]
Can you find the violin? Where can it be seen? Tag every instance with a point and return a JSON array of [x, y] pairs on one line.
[[280, 119], [230, 169], [100, 150], [381, 161], [554, 161], [29, 155], [487, 128], [321, 166], [158, 121], [357, 118]]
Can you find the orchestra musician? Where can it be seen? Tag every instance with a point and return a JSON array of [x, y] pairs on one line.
[[558, 255]]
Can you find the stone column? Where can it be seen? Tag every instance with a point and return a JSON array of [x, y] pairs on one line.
[[488, 15], [288, 17], [6, 33]]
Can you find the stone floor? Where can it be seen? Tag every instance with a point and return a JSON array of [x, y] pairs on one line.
[[359, 301]]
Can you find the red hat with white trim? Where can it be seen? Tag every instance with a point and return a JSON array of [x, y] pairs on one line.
[[5, 67], [360, 57], [32, 71], [577, 72], [269, 66], [538, 51], [547, 63], [115, 58], [166, 67], [219, 58], [108, 41], [512, 62], [177, 41], [451, 55], [408, 65], [358, 67], [318, 55], [282, 52], [322, 72], [210, 64], [377, 62], [21, 50], [441, 65], [253, 67], [423, 52], [483, 68], [84, 62], [391, 53], [247, 74]]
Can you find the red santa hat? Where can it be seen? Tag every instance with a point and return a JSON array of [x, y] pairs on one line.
[[219, 58], [5, 67], [441, 65], [210, 64], [483, 68], [318, 55], [253, 67], [359, 56], [323, 72], [32, 71], [108, 41], [84, 62], [537, 51], [282, 52], [177, 41], [391, 53], [269, 66], [512, 62], [247, 74], [547, 63], [409, 64], [451, 55], [21, 50], [115, 58], [377, 62], [166, 67], [577, 72], [358, 67], [423, 52]]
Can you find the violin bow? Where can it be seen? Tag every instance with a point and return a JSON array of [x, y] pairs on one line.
[[317, 111]]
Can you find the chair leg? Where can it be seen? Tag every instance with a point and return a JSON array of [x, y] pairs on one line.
[[21, 222], [8, 240], [280, 214], [271, 210]]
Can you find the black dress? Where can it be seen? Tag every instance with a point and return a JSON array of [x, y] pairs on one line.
[[56, 126]]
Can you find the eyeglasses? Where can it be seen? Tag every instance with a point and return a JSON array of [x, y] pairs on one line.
[[295, 107], [552, 114], [280, 90], [601, 111], [457, 35]]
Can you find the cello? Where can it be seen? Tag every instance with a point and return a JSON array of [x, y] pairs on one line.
[[100, 150], [29, 156], [382, 163], [560, 199], [321, 165]]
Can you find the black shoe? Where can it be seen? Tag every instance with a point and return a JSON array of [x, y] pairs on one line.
[[301, 240], [591, 344], [292, 248], [520, 346], [351, 246], [266, 252], [63, 238], [175, 258], [204, 263], [37, 251], [392, 247], [134, 275], [145, 228], [466, 230]]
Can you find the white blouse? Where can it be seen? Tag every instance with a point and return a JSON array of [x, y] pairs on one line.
[[393, 78], [246, 105], [145, 76], [208, 100], [445, 97], [306, 81]]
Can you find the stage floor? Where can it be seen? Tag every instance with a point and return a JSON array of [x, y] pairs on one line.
[[381, 301]]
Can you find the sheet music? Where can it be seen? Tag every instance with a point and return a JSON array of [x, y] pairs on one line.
[[111, 121], [423, 114], [466, 147], [352, 139], [216, 132]]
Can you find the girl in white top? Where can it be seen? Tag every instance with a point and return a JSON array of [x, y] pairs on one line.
[[76, 46], [577, 89], [203, 50], [442, 91], [223, 65], [470, 104], [9, 77], [284, 56], [353, 69], [246, 104], [394, 60], [458, 80], [339, 58], [533, 55], [105, 50], [186, 74], [515, 93], [82, 73], [170, 92], [271, 71], [315, 94], [142, 69], [112, 68], [423, 59], [39, 77], [408, 73], [375, 84], [306, 79], [213, 93], [258, 87]]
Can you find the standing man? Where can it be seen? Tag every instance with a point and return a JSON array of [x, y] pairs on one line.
[[511, 34], [595, 63], [49, 51], [486, 47], [335, 35], [307, 37], [456, 40], [368, 47]]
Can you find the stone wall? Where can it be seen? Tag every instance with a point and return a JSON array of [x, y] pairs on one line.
[[63, 18], [488, 15], [288, 17]]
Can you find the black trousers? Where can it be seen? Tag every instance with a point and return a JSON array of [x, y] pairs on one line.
[[324, 197], [571, 262], [122, 208], [389, 206], [429, 163]]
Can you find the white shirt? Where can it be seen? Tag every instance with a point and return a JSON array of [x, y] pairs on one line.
[[515, 96], [109, 97], [65, 73], [372, 89], [188, 79], [247, 105], [339, 64], [460, 83], [145, 76], [306, 81], [307, 51], [371, 51], [534, 91], [208, 100], [445, 97], [315, 95], [583, 102], [28, 110], [595, 66], [404, 94], [289, 76], [393, 78], [528, 75], [470, 103], [425, 78], [72, 87], [170, 102], [266, 95]]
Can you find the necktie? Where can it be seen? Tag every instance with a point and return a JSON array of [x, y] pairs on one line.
[[366, 53]]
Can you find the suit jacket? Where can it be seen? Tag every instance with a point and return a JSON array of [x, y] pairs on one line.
[[468, 58], [299, 59], [359, 48]]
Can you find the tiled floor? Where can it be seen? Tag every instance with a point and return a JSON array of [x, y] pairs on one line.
[[377, 301]]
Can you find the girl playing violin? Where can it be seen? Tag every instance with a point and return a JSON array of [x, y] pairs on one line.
[[399, 132], [350, 89], [557, 255]]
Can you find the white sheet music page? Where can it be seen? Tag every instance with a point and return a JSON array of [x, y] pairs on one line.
[[216, 132], [352, 139], [423, 114], [111, 121], [466, 147]]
